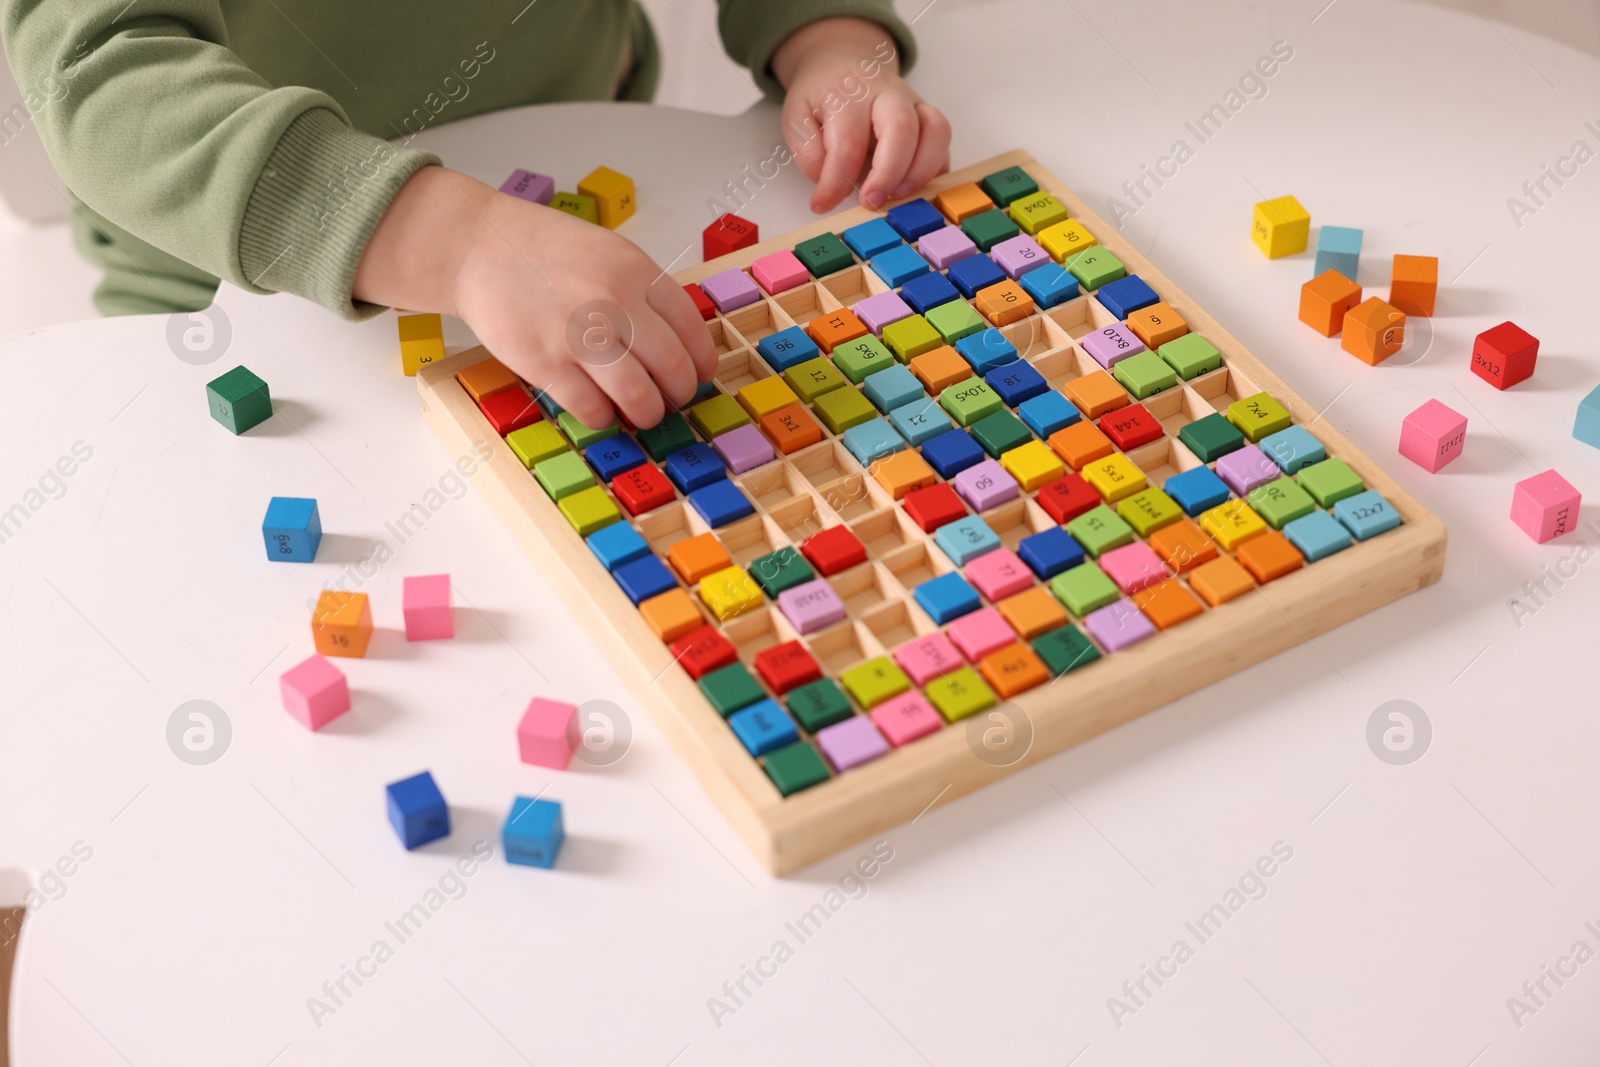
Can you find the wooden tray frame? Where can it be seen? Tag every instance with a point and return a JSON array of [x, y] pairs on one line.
[[786, 834]]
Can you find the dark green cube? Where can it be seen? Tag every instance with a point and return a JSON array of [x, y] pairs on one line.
[[1211, 438], [1004, 186], [671, 434], [990, 228], [818, 704], [796, 767], [731, 688], [780, 570], [1065, 649], [1000, 433], [239, 400], [824, 254]]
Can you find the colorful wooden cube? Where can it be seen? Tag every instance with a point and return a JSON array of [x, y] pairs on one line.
[[779, 271], [417, 810], [421, 341], [1326, 299], [1338, 248], [1505, 355], [1280, 227], [315, 692], [1545, 506], [578, 206], [1586, 427], [728, 234], [1414, 284], [1433, 435], [613, 195], [526, 185], [547, 732], [533, 832], [341, 624], [239, 400], [292, 529], [425, 602], [1374, 330], [510, 411], [486, 378]]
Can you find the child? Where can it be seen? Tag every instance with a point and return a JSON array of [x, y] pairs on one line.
[[247, 141]]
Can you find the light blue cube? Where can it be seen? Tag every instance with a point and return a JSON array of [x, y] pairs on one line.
[[1366, 514], [891, 387], [871, 441], [762, 727], [1317, 535], [533, 832], [1048, 412], [1293, 448], [946, 597], [898, 265], [292, 529], [617, 544], [1338, 248], [1049, 285], [920, 421], [1587, 426], [871, 238], [966, 539]]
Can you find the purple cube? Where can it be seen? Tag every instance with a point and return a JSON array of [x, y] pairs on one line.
[[1018, 255], [985, 485], [1109, 346], [944, 247], [852, 742], [534, 188], [1118, 625], [744, 448], [1245, 468], [811, 605], [731, 289], [876, 312]]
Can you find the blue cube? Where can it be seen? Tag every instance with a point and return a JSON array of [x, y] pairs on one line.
[[928, 291], [417, 810], [872, 441], [1126, 295], [1317, 535], [986, 350], [787, 347], [644, 578], [1050, 552], [966, 539], [533, 832], [695, 467], [762, 727], [891, 387], [1197, 490], [946, 597], [952, 452], [292, 529], [914, 219], [617, 544], [720, 503], [1048, 412], [1017, 381], [1366, 514], [1338, 248], [898, 265], [1049, 285], [920, 421], [974, 273], [871, 237], [1293, 448], [614, 455]]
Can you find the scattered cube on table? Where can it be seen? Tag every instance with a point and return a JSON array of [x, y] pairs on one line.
[[546, 733], [533, 832], [417, 810], [315, 692], [425, 600], [1545, 506], [1432, 435], [292, 529]]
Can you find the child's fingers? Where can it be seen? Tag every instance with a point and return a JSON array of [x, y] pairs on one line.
[[805, 142], [894, 120], [632, 389], [662, 355], [933, 151], [845, 139], [668, 300], [577, 393]]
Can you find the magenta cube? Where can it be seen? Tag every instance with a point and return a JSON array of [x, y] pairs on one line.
[[730, 290], [425, 601], [315, 692], [1433, 435], [744, 448], [985, 485], [811, 605], [943, 247], [927, 657], [546, 733], [1110, 345], [1118, 625], [1018, 255], [1545, 506], [851, 743], [534, 188], [980, 632], [1245, 468], [876, 312], [906, 718], [780, 271]]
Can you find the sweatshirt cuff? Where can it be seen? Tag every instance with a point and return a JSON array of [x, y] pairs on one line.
[[313, 209], [753, 29]]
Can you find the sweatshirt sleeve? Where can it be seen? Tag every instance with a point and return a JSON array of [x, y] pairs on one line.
[[156, 125], [753, 29]]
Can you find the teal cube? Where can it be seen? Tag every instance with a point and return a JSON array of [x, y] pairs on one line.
[[239, 400], [1586, 427]]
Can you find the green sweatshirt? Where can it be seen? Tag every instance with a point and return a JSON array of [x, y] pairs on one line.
[[250, 140]]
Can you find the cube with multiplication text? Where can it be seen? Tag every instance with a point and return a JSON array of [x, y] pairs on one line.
[[341, 624], [292, 529], [1505, 355], [728, 233], [1545, 506], [1433, 435], [417, 810], [533, 832]]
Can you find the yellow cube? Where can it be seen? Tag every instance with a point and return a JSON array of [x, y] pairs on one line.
[[1232, 524], [766, 396], [1066, 239], [1281, 227], [589, 510], [729, 592], [612, 193], [421, 341], [1032, 465], [1037, 212], [1114, 477]]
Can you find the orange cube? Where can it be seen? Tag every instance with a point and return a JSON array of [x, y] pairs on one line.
[[939, 369], [1095, 394], [902, 473], [1414, 285], [672, 614], [1373, 331], [1013, 669], [1080, 444], [961, 202], [1157, 324], [791, 428], [486, 379], [696, 557], [1326, 299], [1167, 603], [341, 624], [1032, 613], [835, 329], [1004, 303], [1182, 545], [1270, 555], [1221, 580]]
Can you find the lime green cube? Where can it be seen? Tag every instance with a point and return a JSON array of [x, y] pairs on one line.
[[843, 408], [1148, 511], [955, 320], [589, 510], [1280, 501], [1094, 267], [582, 436], [959, 694], [795, 767], [1258, 415], [1330, 481], [1144, 374], [814, 377], [536, 443], [1191, 355], [969, 401], [1037, 212], [1084, 588], [873, 682], [861, 357], [1100, 530], [717, 415], [563, 475], [909, 338]]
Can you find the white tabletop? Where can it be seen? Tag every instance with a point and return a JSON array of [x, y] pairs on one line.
[[216, 899]]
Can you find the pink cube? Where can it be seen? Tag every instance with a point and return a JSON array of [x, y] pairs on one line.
[[1545, 506], [999, 574], [780, 271], [425, 600], [905, 718], [1133, 567], [927, 657], [315, 692], [546, 733], [1433, 435], [979, 633]]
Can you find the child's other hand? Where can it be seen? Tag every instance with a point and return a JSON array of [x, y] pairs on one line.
[[520, 276], [843, 74]]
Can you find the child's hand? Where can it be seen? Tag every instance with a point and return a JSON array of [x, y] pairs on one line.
[[843, 74], [519, 274]]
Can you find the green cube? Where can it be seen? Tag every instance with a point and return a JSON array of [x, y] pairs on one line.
[[955, 320], [1191, 355], [780, 570], [584, 207], [969, 401], [818, 704], [960, 693], [989, 228], [861, 357], [814, 377], [563, 475], [1004, 186], [1094, 267], [1065, 650], [671, 434], [582, 436], [717, 415], [1000, 433], [731, 688], [1211, 437], [910, 338], [1258, 415], [843, 408], [1149, 510], [1100, 530], [873, 682], [239, 400], [1084, 588], [796, 767], [1330, 481], [1144, 374], [536, 443], [1280, 501], [824, 254]]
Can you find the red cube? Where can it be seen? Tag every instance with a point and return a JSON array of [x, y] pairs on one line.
[[729, 234], [785, 666], [1131, 427], [703, 651], [643, 488], [934, 506], [1066, 498], [702, 302], [510, 410], [1505, 355], [832, 551]]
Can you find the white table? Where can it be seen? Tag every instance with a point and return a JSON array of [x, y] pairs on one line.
[[218, 898]]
